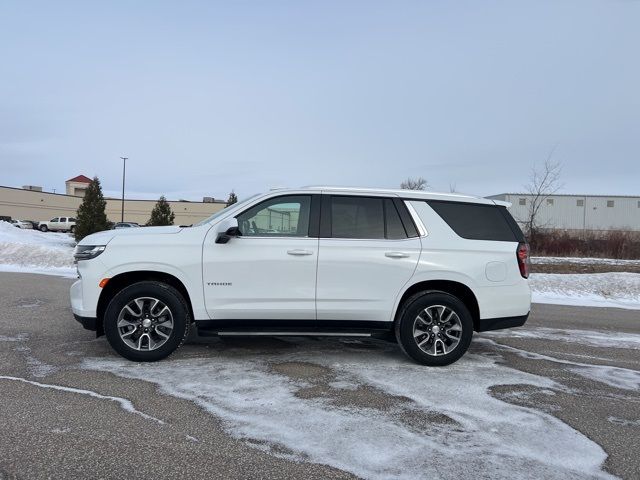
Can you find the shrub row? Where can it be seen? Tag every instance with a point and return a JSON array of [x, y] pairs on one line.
[[610, 244]]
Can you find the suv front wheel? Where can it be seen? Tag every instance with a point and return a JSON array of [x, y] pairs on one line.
[[434, 328], [147, 321]]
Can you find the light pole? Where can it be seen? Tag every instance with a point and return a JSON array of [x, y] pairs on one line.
[[124, 170]]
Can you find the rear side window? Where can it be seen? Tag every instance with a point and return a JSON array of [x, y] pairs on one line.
[[478, 222], [357, 217]]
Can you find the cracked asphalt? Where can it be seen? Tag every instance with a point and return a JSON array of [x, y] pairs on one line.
[[61, 433]]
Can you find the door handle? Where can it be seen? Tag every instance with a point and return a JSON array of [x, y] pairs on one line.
[[299, 252], [396, 254]]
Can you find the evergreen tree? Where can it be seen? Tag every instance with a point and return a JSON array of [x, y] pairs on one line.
[[91, 217], [161, 214], [232, 199]]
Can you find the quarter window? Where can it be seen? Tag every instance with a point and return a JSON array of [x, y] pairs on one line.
[[286, 216], [477, 221], [394, 228]]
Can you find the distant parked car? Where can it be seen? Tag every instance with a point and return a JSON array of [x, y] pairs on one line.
[[125, 225], [58, 224], [21, 224]]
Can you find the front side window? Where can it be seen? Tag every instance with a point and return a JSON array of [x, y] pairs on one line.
[[286, 216], [55, 219]]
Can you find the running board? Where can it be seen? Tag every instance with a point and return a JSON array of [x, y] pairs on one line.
[[288, 334]]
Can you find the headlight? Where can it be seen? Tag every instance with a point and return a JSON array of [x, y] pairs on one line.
[[87, 252]]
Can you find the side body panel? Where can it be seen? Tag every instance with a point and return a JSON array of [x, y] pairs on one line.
[[260, 278], [488, 268]]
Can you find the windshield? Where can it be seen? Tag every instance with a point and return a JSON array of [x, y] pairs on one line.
[[224, 210]]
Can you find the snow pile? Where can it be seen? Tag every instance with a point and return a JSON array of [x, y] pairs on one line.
[[613, 289], [431, 419], [35, 251]]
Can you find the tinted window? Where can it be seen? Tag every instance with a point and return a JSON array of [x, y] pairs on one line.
[[478, 222], [277, 217], [54, 219], [357, 217], [395, 229]]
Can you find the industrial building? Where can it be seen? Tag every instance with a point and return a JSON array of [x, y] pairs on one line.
[[578, 212], [31, 203]]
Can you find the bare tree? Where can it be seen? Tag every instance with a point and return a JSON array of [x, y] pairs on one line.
[[543, 182], [414, 184]]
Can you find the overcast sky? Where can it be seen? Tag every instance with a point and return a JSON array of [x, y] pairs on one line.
[[205, 97]]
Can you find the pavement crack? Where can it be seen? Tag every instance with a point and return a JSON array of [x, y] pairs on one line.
[[125, 404]]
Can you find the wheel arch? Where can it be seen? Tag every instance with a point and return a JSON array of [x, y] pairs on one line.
[[455, 288], [122, 280]]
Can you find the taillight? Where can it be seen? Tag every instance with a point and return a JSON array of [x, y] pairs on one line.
[[522, 253]]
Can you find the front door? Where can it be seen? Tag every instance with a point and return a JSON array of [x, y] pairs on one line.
[[269, 272]]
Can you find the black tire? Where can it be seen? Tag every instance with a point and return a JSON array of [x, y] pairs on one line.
[[157, 290], [408, 317], [43, 228], [72, 229]]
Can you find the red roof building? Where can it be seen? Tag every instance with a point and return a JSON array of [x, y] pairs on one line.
[[80, 179], [77, 186]]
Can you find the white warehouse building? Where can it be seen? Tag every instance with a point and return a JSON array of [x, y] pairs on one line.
[[578, 212]]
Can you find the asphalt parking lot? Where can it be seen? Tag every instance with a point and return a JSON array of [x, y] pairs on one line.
[[542, 401]]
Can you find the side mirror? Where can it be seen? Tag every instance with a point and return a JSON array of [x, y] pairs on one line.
[[228, 230]]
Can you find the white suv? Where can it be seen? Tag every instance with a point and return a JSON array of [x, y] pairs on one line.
[[426, 268]]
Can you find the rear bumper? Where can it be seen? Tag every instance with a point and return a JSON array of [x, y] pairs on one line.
[[486, 324], [90, 323]]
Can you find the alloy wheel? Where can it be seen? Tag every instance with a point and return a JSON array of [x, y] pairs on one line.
[[437, 330], [145, 324]]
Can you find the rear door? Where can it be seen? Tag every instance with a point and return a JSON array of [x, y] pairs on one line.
[[369, 249]]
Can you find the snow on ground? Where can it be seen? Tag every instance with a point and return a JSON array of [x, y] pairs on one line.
[[33, 251], [433, 418], [613, 289], [583, 260], [591, 338]]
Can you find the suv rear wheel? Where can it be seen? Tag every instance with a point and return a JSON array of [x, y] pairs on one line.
[[434, 328], [147, 321]]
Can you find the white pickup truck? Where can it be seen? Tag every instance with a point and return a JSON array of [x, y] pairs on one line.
[[58, 224]]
